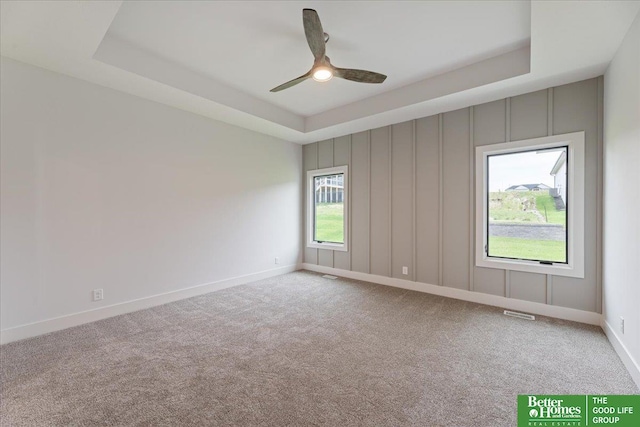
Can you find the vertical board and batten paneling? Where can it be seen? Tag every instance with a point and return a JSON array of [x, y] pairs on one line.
[[528, 119], [575, 108], [360, 206], [456, 207], [427, 188], [412, 194], [402, 232], [489, 123], [325, 257], [528, 286], [309, 162], [325, 154], [529, 115], [342, 157], [380, 239], [489, 127], [325, 160]]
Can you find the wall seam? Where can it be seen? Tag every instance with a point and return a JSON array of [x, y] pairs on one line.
[[599, 193], [550, 111], [317, 144], [414, 218], [471, 204], [440, 196], [303, 247], [333, 152], [350, 203], [507, 274], [369, 201], [333, 163], [549, 288], [508, 120], [390, 137]]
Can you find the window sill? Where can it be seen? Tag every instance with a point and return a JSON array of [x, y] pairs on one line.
[[331, 246], [566, 270]]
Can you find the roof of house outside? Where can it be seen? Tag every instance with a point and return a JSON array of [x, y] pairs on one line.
[[529, 187], [562, 159]]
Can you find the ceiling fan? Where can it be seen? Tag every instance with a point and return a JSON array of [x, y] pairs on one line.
[[322, 70]]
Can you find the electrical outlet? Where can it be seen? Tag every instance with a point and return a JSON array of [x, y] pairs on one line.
[[405, 270], [98, 294], [277, 260], [622, 325]]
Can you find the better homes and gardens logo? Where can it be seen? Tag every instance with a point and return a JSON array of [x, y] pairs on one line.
[[555, 410], [578, 410]]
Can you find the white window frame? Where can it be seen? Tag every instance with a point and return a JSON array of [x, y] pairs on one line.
[[575, 203], [311, 243]]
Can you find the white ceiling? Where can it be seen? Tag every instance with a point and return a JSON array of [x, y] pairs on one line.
[[219, 59], [255, 47]]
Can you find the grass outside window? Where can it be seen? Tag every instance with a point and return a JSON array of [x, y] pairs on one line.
[[512, 247], [526, 208], [329, 224]]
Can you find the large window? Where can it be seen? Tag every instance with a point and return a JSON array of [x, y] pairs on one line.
[[327, 208], [529, 205]]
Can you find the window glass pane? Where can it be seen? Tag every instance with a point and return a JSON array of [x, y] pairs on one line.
[[329, 208], [527, 203]]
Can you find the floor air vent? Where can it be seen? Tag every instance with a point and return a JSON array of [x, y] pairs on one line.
[[519, 315], [328, 276]]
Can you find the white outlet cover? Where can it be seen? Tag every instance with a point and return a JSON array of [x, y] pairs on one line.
[[98, 294]]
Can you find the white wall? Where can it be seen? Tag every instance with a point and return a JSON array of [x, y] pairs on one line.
[[105, 190], [621, 226]]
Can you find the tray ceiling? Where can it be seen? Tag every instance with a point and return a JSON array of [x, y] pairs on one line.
[[219, 59]]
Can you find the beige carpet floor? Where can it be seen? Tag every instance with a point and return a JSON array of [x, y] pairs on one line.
[[301, 350]]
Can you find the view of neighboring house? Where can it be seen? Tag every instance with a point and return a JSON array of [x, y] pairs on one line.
[[559, 173], [528, 187], [329, 189]]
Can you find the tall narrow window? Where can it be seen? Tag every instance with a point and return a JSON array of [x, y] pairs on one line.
[[530, 205], [327, 208]]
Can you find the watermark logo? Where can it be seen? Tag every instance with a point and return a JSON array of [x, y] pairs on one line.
[[578, 410], [544, 408]]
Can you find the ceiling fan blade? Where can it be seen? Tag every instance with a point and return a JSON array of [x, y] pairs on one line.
[[291, 82], [362, 76], [314, 33]]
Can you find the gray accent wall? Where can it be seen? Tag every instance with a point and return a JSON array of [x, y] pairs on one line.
[[412, 197]]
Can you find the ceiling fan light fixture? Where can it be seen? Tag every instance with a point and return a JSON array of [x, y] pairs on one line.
[[322, 74], [322, 70]]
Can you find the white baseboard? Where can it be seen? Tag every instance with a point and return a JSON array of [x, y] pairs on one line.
[[55, 324], [629, 362], [565, 313], [63, 322], [461, 294]]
